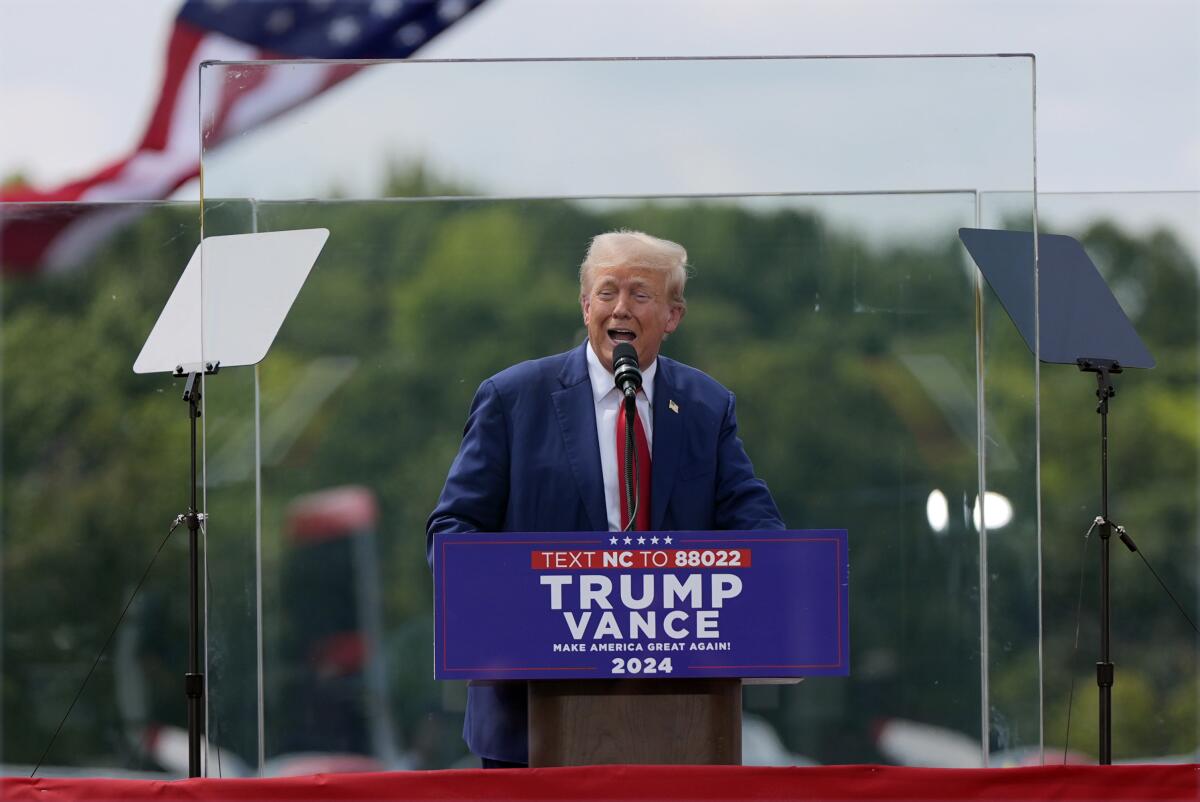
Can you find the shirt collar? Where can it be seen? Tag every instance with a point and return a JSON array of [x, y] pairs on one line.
[[603, 382]]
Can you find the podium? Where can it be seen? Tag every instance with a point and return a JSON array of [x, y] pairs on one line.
[[636, 654], [635, 721]]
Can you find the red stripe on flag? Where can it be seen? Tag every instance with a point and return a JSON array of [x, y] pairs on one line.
[[65, 193], [23, 240], [185, 41]]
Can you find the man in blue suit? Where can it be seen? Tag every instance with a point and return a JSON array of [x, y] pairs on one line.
[[539, 452]]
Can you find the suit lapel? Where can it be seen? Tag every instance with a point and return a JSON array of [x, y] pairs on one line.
[[576, 412], [668, 439]]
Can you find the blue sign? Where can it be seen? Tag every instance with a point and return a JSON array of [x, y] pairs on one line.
[[646, 604]]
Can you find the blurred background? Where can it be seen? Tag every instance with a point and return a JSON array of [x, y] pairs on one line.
[[881, 387]]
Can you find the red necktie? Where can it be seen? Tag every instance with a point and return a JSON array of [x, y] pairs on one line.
[[642, 468]]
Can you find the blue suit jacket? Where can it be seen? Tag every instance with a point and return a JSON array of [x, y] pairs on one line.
[[529, 462]]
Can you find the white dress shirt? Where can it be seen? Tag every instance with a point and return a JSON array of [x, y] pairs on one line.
[[608, 403]]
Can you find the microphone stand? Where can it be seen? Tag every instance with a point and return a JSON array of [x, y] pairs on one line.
[[628, 377], [631, 488]]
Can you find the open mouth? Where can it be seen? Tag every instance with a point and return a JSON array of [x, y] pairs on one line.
[[621, 335]]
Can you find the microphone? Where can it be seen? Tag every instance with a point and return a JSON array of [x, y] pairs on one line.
[[626, 373]]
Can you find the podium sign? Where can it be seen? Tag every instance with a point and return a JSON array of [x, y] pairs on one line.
[[604, 605]]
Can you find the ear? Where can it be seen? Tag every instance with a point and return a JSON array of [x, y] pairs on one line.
[[586, 305], [674, 317]]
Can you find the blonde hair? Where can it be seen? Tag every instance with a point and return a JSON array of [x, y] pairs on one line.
[[625, 248]]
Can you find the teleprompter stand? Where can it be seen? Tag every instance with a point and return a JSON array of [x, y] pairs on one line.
[[1077, 322], [193, 680], [1104, 370], [225, 311]]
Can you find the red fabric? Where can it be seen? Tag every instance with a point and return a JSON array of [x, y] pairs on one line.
[[332, 514], [184, 42], [339, 655], [1175, 783], [643, 471]]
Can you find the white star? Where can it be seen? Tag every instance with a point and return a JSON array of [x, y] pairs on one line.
[[628, 540], [411, 34], [280, 20], [344, 30], [612, 541], [641, 540], [386, 8], [654, 539], [450, 10], [667, 540]]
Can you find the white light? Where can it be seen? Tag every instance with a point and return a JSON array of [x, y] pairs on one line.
[[997, 511], [937, 510]]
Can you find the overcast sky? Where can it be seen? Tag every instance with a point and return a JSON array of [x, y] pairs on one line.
[[1118, 81]]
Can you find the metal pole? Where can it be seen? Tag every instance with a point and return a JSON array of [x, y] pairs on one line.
[[193, 681], [1104, 668]]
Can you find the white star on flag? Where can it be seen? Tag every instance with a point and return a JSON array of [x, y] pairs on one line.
[[344, 30], [280, 20], [666, 540], [612, 541], [628, 540], [386, 8], [450, 10], [410, 34], [641, 540], [654, 539]]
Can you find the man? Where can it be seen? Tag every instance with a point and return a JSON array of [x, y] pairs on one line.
[[539, 452]]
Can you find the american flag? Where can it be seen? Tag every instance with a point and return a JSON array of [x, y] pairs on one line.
[[168, 154]]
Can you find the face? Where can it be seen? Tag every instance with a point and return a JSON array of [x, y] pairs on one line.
[[629, 304]]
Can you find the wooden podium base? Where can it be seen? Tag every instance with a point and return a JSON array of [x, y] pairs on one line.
[[662, 721]]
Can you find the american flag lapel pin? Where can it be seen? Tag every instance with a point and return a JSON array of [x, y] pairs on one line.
[[671, 405]]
